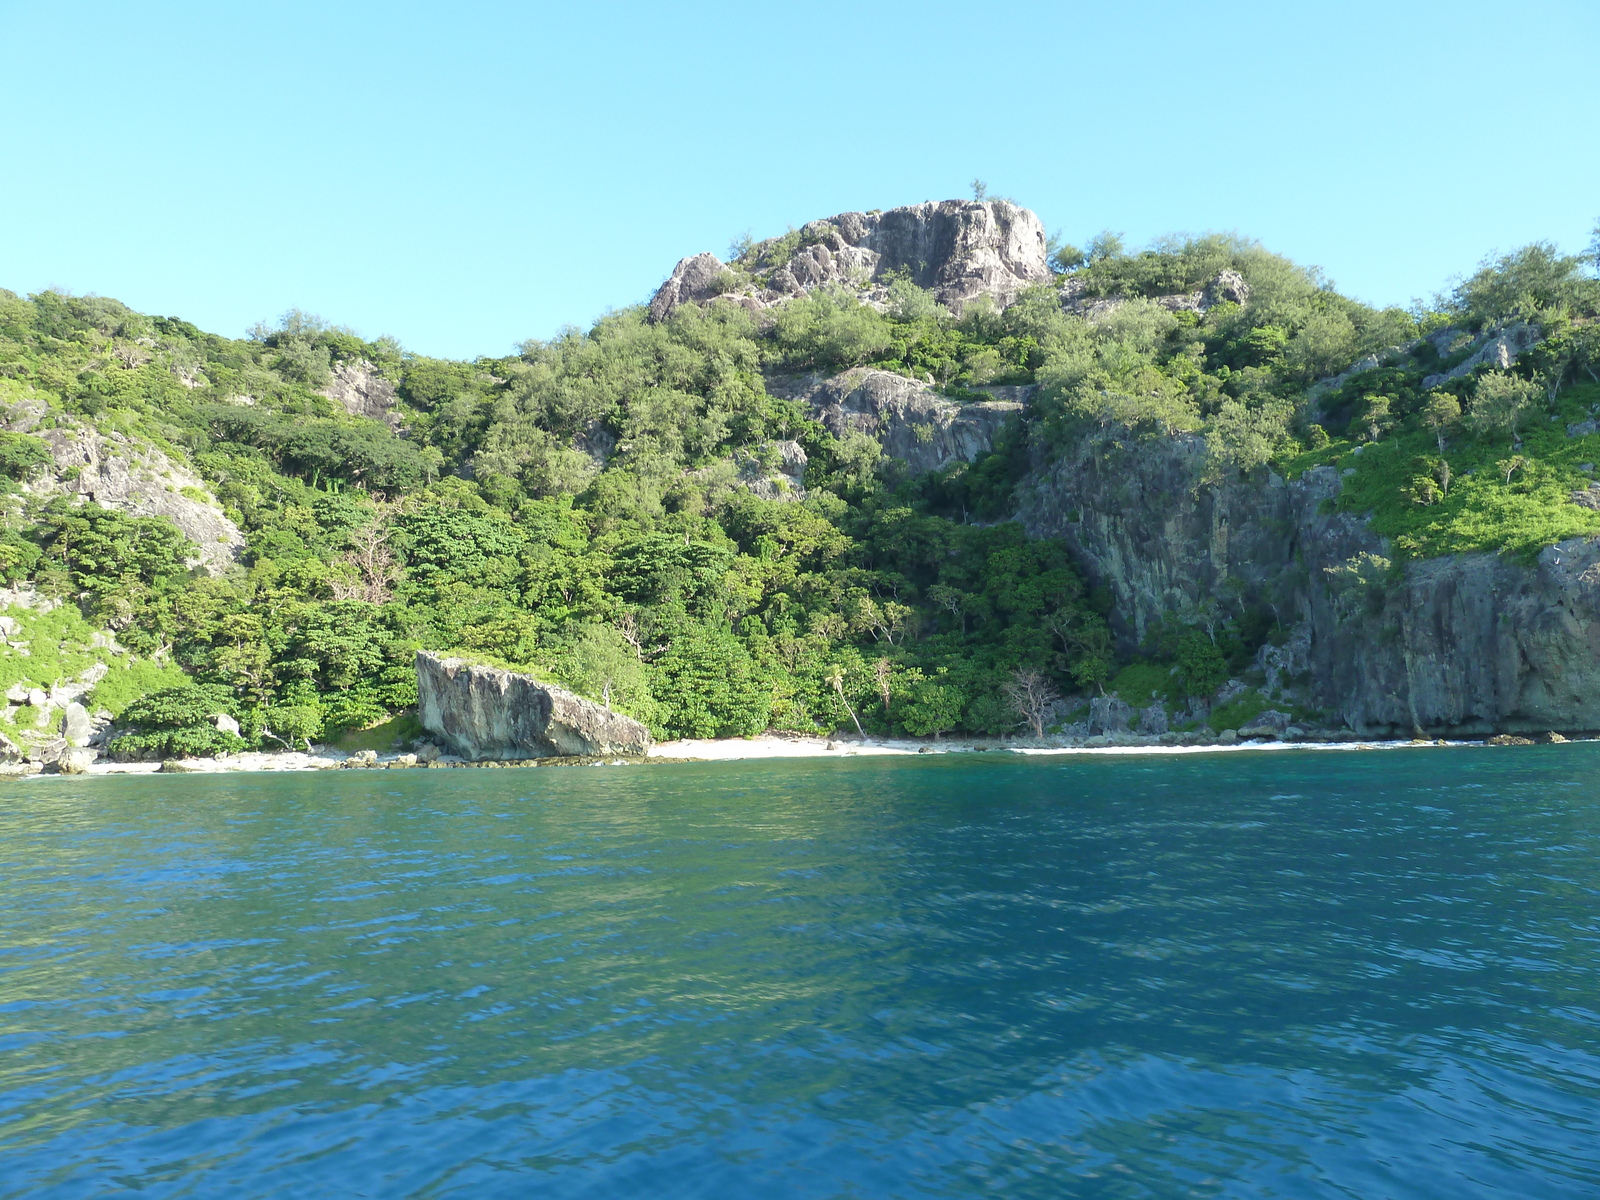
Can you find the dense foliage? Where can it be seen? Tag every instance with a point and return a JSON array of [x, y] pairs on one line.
[[582, 508]]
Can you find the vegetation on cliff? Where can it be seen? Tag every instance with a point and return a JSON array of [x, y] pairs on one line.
[[606, 506]]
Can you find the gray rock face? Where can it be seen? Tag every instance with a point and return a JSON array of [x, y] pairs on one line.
[[786, 480], [910, 420], [487, 712], [960, 250], [1460, 645], [363, 392]]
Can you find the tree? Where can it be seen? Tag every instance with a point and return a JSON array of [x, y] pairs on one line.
[[291, 723], [1377, 416], [835, 680], [369, 571], [1104, 246], [1031, 696], [1499, 401], [708, 686], [21, 454], [598, 661], [1201, 666], [882, 678], [1527, 282], [980, 190], [934, 708], [1442, 411]]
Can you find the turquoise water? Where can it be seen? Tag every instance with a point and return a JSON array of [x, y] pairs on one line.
[[1361, 975]]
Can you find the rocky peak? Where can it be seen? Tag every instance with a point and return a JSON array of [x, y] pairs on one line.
[[960, 250], [693, 280]]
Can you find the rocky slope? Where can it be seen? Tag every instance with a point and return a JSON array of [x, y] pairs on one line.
[[489, 713], [119, 472]]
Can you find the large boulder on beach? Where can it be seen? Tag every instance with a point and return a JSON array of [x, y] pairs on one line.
[[491, 713]]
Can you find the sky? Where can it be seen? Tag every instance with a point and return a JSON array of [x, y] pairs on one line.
[[464, 176]]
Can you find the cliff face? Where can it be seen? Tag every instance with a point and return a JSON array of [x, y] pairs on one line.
[[1459, 645], [486, 713]]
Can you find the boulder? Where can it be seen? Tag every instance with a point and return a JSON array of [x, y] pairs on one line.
[[181, 766], [1266, 724], [76, 761], [223, 723], [491, 713], [1109, 714], [77, 726]]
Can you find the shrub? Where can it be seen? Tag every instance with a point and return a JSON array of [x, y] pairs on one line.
[[176, 723]]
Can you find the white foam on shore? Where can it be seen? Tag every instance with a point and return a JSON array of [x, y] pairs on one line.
[[730, 749], [763, 747]]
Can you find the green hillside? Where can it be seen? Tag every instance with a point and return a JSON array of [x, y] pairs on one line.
[[584, 507]]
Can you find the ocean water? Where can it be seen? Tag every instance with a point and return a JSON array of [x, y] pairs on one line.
[[1354, 974]]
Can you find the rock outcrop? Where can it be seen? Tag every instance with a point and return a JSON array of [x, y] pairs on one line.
[[694, 280], [1229, 287], [363, 392], [1498, 349], [960, 250], [490, 713], [911, 421]]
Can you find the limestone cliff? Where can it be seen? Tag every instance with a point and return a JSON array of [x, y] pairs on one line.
[[487, 713]]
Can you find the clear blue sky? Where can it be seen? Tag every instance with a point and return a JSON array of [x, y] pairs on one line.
[[466, 175]]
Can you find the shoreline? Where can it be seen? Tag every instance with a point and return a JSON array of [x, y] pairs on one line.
[[766, 746]]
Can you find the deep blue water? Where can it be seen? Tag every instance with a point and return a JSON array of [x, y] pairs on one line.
[[1361, 975]]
